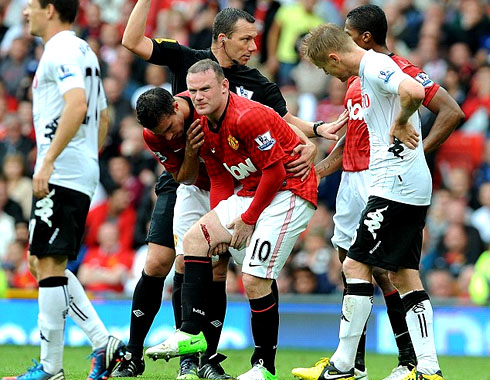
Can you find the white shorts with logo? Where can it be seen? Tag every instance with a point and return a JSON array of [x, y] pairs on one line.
[[191, 205], [275, 233], [352, 198]]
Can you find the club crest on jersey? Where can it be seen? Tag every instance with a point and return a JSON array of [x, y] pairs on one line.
[[64, 72], [385, 75], [265, 141], [244, 93], [424, 79], [233, 142]]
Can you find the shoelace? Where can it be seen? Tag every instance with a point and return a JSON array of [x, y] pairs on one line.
[[186, 365]]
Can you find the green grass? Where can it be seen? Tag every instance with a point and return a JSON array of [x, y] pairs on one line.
[[15, 359]]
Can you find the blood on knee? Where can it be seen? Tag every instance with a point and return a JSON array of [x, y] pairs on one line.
[[206, 234]]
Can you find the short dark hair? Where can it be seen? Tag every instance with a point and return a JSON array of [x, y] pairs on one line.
[[67, 9], [153, 105], [205, 65], [225, 21], [370, 18]]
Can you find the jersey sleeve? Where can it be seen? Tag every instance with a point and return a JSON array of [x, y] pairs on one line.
[[163, 155], [420, 76], [166, 52], [66, 71], [384, 74], [257, 128], [102, 99]]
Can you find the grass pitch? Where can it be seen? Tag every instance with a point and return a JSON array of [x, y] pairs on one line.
[[15, 360]]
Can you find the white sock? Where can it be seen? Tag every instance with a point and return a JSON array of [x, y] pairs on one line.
[[420, 322], [355, 313], [83, 313], [53, 306]]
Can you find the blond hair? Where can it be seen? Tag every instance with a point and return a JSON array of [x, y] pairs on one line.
[[323, 40]]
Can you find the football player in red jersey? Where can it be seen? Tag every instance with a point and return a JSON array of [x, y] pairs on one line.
[[250, 143]]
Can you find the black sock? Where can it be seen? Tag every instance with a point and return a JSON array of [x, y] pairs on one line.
[[265, 329], [396, 314], [198, 276], [177, 298], [360, 362], [216, 312], [147, 298]]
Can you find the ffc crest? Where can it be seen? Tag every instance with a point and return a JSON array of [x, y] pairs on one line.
[[233, 142]]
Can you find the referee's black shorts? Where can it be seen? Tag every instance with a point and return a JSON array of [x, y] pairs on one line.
[[161, 224]]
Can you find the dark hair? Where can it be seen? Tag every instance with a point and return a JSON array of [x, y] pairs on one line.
[[205, 65], [225, 21], [67, 9], [370, 18], [152, 105]]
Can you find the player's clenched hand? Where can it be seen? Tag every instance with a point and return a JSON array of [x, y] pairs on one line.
[[195, 139], [406, 133], [40, 180], [301, 166], [329, 130], [242, 233]]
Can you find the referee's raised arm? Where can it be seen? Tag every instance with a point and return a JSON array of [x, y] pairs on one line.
[[134, 38]]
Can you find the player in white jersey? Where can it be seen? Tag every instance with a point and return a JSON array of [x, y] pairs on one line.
[[389, 234], [68, 105]]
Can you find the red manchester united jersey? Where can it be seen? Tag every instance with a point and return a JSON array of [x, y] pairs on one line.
[[356, 149], [250, 137], [171, 153]]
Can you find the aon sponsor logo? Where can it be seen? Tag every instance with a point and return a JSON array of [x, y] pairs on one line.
[[242, 170], [355, 110]]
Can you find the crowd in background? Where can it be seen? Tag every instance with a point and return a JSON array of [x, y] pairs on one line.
[[449, 39]]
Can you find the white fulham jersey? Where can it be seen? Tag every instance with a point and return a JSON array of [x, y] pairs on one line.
[[398, 173], [68, 63]]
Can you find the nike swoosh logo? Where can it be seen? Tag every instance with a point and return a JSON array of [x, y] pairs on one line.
[[192, 342], [331, 377], [253, 265]]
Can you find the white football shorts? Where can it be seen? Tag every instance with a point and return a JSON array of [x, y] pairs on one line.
[[275, 233]]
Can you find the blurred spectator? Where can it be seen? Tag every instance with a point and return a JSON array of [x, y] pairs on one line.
[[121, 176], [477, 104], [106, 266], [202, 24], [14, 141], [452, 84], [291, 23], [7, 221], [479, 288], [155, 76], [15, 266], [110, 39], [94, 23], [14, 67], [19, 187], [111, 9], [460, 57], [441, 283], [8, 205], [117, 208], [304, 281], [483, 172], [481, 217]]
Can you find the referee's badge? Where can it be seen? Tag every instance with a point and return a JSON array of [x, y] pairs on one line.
[[233, 142]]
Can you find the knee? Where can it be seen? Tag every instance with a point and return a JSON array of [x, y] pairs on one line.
[[382, 279], [32, 263], [159, 260], [179, 264], [195, 243], [256, 287], [395, 279]]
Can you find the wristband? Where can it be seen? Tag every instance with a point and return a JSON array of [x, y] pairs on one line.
[[315, 127]]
